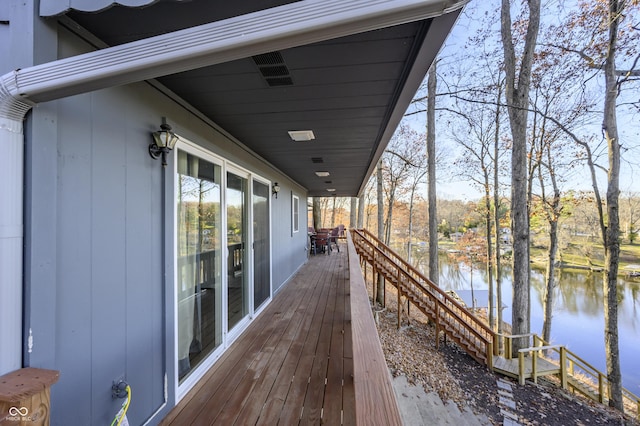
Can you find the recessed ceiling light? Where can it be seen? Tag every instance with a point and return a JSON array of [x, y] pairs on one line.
[[322, 174], [331, 189], [301, 135]]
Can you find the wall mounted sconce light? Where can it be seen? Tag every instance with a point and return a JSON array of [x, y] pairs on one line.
[[163, 142], [275, 189]]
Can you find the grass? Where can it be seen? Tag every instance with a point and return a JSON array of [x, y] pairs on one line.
[[583, 253]]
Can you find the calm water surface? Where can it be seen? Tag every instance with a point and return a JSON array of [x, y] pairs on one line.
[[578, 319]]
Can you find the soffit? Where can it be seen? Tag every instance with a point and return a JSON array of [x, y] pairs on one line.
[[351, 91]]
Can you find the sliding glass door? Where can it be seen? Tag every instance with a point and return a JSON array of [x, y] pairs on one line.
[[237, 238], [223, 264], [199, 263], [261, 244]]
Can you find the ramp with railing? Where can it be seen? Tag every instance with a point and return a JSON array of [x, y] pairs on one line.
[[473, 335], [572, 372]]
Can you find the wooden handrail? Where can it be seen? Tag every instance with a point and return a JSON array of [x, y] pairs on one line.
[[540, 348], [432, 286], [405, 277], [375, 398], [568, 363]]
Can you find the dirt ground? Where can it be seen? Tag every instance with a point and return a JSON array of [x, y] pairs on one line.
[[458, 378]]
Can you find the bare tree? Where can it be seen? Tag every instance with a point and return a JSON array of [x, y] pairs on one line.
[[404, 154], [380, 278], [599, 37], [361, 202], [612, 233], [431, 168], [518, 78], [317, 213], [352, 212]]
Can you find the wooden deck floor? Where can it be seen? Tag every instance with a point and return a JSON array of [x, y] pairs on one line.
[[294, 363]]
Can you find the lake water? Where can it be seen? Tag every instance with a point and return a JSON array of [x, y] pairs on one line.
[[578, 319]]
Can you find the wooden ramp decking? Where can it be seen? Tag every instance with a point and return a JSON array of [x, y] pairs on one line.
[[510, 367], [293, 365]]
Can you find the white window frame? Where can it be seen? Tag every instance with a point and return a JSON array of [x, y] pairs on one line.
[[295, 213]]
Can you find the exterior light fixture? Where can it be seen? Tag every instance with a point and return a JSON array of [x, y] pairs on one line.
[[275, 189], [322, 174], [163, 142], [301, 135], [331, 189]]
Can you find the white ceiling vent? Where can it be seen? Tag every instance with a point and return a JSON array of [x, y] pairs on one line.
[[301, 135]]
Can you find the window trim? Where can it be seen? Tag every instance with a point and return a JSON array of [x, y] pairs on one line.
[[295, 213]]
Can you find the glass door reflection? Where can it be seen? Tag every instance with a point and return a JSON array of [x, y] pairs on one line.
[[199, 263], [237, 234], [261, 244]]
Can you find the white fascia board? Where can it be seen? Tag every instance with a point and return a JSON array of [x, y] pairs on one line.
[[277, 28]]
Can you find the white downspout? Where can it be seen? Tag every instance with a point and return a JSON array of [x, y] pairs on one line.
[[12, 112]]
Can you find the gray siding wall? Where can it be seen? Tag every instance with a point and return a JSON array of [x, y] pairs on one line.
[[99, 286]]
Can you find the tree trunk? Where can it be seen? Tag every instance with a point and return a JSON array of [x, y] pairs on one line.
[[413, 190], [553, 212], [431, 177], [487, 217], [333, 212], [361, 211], [380, 278], [550, 281], [387, 223], [496, 212], [317, 222], [517, 96], [353, 212], [612, 234]]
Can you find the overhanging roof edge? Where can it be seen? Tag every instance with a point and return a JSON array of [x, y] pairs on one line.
[[440, 26], [278, 28]]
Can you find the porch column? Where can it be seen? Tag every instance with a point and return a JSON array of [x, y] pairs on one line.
[[12, 112]]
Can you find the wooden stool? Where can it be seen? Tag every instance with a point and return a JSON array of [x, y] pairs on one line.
[[25, 397]]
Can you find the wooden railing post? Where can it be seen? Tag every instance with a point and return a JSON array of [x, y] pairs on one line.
[[374, 277], [601, 387], [25, 396], [437, 308], [490, 351], [534, 366], [563, 367], [521, 368], [399, 292]]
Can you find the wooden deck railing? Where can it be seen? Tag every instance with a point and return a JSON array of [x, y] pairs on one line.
[[574, 373], [449, 316], [375, 399]]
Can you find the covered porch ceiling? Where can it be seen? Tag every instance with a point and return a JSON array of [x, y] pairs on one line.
[[350, 91]]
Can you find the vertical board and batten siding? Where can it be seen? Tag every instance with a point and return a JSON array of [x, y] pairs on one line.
[[106, 310], [290, 249], [110, 308]]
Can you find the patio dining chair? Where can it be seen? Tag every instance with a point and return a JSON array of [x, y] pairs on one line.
[[333, 238], [321, 242]]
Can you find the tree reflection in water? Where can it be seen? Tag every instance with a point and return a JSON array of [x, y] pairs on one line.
[[578, 319]]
